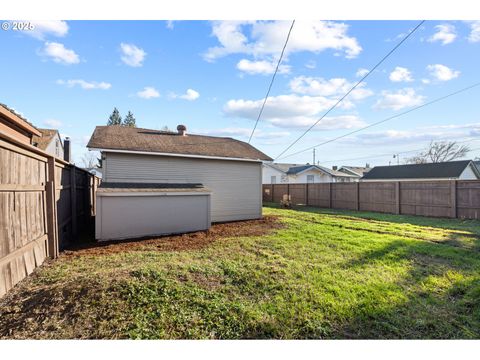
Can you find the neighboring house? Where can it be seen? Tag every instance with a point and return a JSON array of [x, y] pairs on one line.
[[452, 170], [355, 170], [161, 182], [16, 126], [50, 142], [277, 173]]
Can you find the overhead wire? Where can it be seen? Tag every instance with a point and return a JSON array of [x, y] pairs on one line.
[[353, 87]]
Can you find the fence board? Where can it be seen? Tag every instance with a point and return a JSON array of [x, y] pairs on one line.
[[459, 199], [35, 196]]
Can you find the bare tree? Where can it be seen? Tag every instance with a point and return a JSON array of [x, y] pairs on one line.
[[89, 160], [440, 151]]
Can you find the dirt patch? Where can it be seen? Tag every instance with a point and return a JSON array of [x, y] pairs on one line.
[[190, 241]]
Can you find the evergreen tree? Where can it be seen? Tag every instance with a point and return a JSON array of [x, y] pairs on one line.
[[129, 120], [115, 118]]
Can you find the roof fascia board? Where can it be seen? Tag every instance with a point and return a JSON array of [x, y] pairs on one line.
[[174, 155]]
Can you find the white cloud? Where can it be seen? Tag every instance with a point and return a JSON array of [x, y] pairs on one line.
[[401, 74], [41, 29], [132, 55], [335, 87], [261, 67], [400, 99], [266, 38], [425, 81], [474, 35], [442, 72], [442, 132], [445, 34], [243, 133], [170, 24], [53, 123], [361, 72], [292, 111], [59, 53], [189, 95], [86, 85], [148, 92]]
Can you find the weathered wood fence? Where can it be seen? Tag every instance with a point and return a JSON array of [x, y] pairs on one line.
[[45, 203], [455, 199]]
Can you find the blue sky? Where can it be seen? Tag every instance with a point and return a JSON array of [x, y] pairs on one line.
[[212, 77]]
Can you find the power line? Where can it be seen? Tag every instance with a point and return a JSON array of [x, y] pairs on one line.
[[271, 82], [387, 119], [353, 88], [390, 154]]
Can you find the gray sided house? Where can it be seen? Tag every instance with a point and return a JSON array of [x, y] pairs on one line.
[[50, 142], [451, 170], [160, 182]]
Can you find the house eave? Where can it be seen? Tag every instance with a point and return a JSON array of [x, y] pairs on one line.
[[175, 155]]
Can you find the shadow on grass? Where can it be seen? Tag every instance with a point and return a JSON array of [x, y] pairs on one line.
[[472, 226], [441, 294]]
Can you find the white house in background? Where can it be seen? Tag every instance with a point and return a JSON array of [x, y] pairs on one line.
[[277, 173], [162, 182], [450, 170], [356, 170], [50, 142]]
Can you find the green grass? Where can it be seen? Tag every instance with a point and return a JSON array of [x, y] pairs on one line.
[[325, 274]]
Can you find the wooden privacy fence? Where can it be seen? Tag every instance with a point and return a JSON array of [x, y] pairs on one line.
[[44, 203], [451, 198]]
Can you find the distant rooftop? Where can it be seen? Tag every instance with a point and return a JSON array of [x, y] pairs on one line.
[[443, 170]]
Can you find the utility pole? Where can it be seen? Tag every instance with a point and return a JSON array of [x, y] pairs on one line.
[[313, 156]]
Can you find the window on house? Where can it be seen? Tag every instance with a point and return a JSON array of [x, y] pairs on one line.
[[273, 180], [57, 148], [310, 179]]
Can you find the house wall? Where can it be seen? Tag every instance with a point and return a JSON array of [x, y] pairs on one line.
[[318, 177], [468, 174], [236, 185], [52, 147], [268, 172]]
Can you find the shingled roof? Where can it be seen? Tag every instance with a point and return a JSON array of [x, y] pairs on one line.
[[43, 141], [148, 140], [443, 170]]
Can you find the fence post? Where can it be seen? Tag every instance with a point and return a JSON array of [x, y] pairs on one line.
[[52, 229], [453, 198], [330, 201], [273, 188], [73, 200], [397, 197], [306, 194], [357, 205]]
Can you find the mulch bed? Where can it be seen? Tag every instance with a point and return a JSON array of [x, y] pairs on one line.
[[184, 242]]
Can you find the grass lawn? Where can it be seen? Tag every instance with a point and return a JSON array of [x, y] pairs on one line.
[[305, 273]]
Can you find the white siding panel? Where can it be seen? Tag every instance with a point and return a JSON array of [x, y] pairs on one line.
[[235, 185], [468, 174], [123, 217]]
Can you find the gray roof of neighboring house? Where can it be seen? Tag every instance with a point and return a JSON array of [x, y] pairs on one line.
[[450, 169], [137, 139]]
